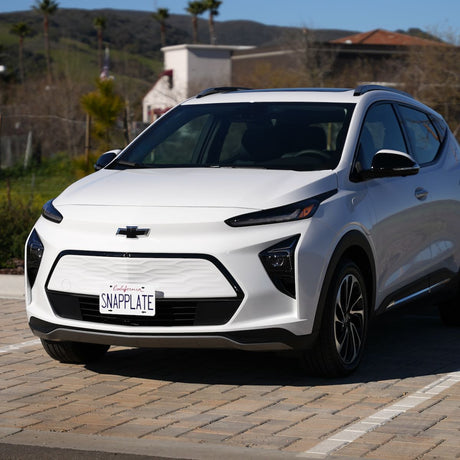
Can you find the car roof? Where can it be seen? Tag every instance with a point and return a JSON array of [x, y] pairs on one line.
[[273, 95], [366, 94]]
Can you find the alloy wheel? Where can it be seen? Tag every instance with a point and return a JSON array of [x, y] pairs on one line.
[[349, 319]]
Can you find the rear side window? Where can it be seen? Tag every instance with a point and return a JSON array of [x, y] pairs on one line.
[[441, 127], [423, 137]]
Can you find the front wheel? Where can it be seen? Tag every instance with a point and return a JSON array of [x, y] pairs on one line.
[[339, 347], [74, 352]]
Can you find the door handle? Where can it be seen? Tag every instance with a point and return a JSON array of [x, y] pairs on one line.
[[421, 193]]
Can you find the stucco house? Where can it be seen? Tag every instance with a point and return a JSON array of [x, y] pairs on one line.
[[188, 70]]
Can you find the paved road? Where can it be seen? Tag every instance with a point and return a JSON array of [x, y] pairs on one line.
[[24, 452], [404, 402]]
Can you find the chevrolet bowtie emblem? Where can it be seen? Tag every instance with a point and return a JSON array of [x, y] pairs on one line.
[[133, 231]]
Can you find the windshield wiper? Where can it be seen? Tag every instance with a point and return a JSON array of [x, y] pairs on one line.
[[134, 165], [169, 165], [129, 164], [244, 166]]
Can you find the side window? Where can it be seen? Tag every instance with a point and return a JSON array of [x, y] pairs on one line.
[[423, 136], [380, 130]]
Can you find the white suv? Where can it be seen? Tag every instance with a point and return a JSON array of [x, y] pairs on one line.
[[253, 219]]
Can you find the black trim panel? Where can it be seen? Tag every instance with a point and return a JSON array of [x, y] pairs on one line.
[[169, 312], [257, 340], [438, 286]]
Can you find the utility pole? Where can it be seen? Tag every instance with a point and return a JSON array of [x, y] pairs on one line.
[[0, 140], [87, 140]]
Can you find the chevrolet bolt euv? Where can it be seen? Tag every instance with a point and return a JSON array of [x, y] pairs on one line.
[[256, 220]]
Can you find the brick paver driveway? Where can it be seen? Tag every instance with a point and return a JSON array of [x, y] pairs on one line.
[[404, 402]]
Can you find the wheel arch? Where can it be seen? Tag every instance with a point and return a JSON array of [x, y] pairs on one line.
[[354, 246]]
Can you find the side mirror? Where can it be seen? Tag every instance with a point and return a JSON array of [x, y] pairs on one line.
[[106, 158], [391, 163]]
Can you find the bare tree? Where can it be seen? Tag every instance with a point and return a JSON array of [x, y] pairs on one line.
[[267, 74], [316, 59], [432, 75], [301, 62]]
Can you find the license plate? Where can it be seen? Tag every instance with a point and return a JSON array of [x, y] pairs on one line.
[[127, 299]]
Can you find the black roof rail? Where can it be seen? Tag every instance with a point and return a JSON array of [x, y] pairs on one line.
[[219, 89], [362, 89]]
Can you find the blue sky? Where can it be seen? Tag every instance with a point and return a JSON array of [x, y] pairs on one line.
[[361, 15]]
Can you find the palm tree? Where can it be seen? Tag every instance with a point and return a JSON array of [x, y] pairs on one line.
[[195, 9], [46, 8], [160, 15], [213, 7], [22, 30], [99, 24]]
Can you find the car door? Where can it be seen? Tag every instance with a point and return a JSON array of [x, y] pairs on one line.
[[401, 231], [438, 155]]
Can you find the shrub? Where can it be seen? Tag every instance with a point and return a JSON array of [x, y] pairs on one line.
[[18, 219], [22, 195]]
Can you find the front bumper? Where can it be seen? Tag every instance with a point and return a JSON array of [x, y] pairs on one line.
[[211, 276], [255, 340]]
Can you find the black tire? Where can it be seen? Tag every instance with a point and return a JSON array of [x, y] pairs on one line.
[[450, 313], [343, 332], [74, 352]]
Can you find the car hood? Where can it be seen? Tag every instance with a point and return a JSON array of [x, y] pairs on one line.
[[197, 187]]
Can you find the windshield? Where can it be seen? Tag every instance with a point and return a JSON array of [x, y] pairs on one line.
[[299, 136]]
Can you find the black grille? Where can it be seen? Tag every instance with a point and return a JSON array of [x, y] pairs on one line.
[[169, 312]]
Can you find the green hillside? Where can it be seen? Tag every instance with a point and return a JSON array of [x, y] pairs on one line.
[[74, 49], [132, 36]]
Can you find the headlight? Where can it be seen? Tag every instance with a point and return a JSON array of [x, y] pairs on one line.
[[51, 213], [34, 254], [295, 211]]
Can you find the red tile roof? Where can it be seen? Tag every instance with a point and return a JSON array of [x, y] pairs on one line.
[[385, 37]]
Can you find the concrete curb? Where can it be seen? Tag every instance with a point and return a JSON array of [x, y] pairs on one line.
[[123, 445], [12, 286]]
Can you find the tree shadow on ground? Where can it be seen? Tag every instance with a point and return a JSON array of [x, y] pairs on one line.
[[408, 343]]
